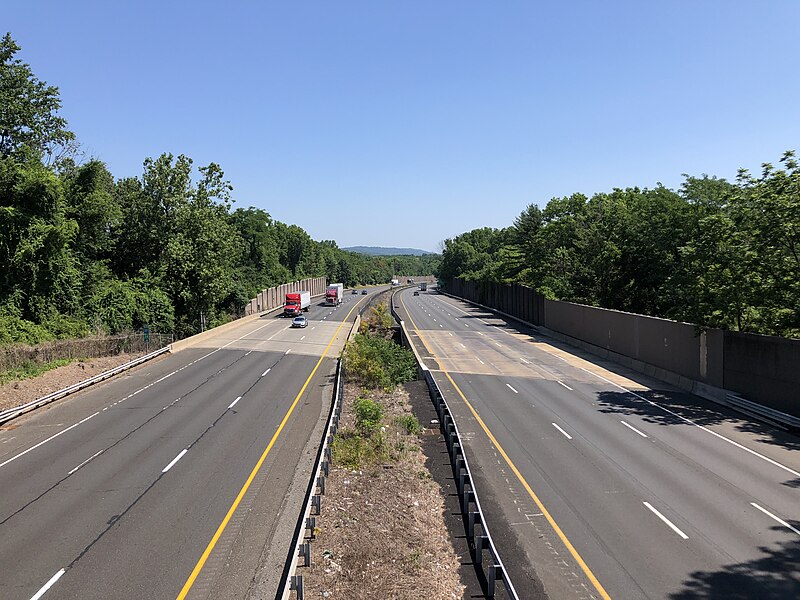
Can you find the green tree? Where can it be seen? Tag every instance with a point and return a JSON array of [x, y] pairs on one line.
[[29, 119]]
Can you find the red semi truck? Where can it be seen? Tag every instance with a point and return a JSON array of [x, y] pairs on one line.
[[334, 293], [296, 303]]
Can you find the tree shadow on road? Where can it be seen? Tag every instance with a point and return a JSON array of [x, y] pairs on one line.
[[775, 574], [673, 407]]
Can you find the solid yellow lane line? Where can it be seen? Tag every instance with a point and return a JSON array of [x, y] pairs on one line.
[[584, 567], [201, 563]]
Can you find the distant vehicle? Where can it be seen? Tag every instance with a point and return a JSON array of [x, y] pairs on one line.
[[395, 282], [355, 292], [296, 302], [416, 292], [410, 280], [363, 292], [423, 286], [299, 322], [333, 295]]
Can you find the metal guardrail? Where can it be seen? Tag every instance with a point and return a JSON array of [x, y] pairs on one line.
[[12, 413], [720, 396], [306, 527], [305, 530], [479, 539], [478, 536], [759, 411]]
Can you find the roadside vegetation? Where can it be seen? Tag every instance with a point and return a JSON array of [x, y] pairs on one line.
[[715, 253], [376, 365], [31, 369], [381, 532], [82, 251]]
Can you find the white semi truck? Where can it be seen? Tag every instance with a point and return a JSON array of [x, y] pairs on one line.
[[333, 295], [296, 303]]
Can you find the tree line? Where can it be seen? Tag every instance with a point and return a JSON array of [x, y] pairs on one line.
[[82, 251], [714, 253]]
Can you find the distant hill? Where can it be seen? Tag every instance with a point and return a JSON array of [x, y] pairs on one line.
[[381, 251]]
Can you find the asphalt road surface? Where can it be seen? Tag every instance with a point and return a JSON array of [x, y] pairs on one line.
[[602, 483], [183, 478]]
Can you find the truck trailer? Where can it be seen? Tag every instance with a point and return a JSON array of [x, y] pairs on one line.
[[333, 295], [423, 286], [296, 303]]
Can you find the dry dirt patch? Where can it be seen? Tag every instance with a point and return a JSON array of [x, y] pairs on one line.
[[382, 532], [16, 393]]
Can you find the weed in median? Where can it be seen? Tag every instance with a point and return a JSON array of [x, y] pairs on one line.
[[354, 451], [409, 424], [368, 416]]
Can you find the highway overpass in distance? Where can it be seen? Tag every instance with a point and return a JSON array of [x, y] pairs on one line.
[[598, 482], [183, 478]]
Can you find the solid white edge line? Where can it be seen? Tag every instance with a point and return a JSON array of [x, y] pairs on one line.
[[685, 419], [48, 585], [689, 421], [778, 519], [174, 460], [95, 455], [511, 388], [568, 436], [669, 523], [232, 404], [632, 428], [52, 437], [564, 384], [267, 371]]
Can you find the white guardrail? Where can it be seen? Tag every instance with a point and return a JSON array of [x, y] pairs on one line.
[[484, 553], [306, 526], [12, 413]]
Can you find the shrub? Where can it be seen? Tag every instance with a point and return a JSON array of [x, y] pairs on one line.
[[349, 450], [409, 423], [368, 416], [352, 451], [378, 363]]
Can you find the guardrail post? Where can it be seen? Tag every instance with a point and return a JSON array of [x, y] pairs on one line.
[[467, 496], [311, 526], [473, 518], [296, 585], [481, 542], [490, 580], [321, 485], [305, 554], [316, 504]]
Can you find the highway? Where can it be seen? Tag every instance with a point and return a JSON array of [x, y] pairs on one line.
[[601, 483], [183, 478]]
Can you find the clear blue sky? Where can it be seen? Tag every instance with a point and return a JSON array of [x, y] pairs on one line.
[[405, 123]]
